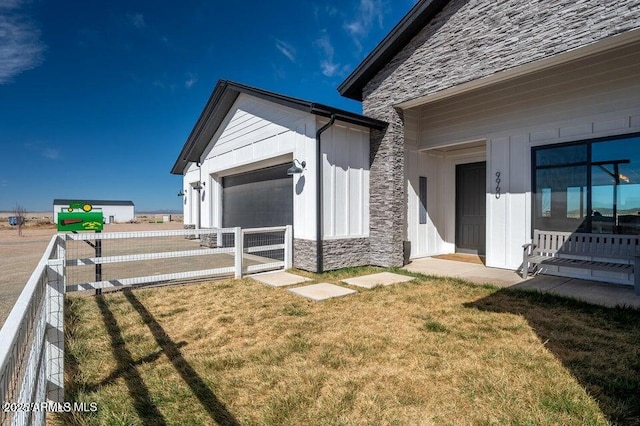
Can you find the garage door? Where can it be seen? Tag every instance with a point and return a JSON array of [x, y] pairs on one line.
[[259, 198]]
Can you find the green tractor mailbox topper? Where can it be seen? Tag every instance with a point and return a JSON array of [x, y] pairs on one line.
[[79, 217]]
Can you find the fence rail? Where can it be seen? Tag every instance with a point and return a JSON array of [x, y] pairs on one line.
[[32, 338], [32, 343], [136, 258]]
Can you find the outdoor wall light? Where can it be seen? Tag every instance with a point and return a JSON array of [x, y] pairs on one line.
[[295, 170], [181, 193]]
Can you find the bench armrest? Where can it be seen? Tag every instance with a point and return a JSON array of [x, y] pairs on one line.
[[527, 250]]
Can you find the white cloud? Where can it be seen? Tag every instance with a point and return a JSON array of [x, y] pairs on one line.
[[50, 153], [190, 81], [369, 12], [20, 45], [328, 65], [137, 20], [43, 150], [286, 49], [10, 4]]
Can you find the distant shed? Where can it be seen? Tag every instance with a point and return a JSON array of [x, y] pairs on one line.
[[112, 210]]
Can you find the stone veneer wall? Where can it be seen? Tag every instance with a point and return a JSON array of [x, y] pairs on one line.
[[471, 39], [468, 40], [190, 237], [344, 253], [339, 253], [387, 208], [209, 240], [304, 254]]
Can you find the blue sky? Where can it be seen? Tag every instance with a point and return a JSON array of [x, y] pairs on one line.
[[97, 98]]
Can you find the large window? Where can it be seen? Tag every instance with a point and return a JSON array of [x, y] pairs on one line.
[[591, 186]]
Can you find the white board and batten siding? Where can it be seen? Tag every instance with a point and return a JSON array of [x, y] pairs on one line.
[[591, 98], [345, 169], [257, 133]]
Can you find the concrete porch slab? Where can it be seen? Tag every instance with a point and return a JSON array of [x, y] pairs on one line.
[[475, 273], [374, 280], [322, 291], [595, 292], [604, 294], [280, 279]]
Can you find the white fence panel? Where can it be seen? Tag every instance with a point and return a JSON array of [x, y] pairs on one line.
[[32, 338], [31, 369]]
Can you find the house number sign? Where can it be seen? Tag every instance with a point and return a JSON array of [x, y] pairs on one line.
[[497, 184]]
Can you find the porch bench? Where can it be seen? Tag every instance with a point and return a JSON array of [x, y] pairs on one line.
[[602, 252]]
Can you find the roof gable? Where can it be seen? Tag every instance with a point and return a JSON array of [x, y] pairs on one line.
[[222, 100], [412, 23], [441, 44]]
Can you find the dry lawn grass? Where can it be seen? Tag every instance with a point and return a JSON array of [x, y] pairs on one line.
[[424, 352]]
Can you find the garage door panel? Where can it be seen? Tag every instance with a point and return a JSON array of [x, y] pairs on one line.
[[258, 199]]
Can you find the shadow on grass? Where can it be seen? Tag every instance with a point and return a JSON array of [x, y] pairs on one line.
[[216, 409], [599, 346], [142, 402]]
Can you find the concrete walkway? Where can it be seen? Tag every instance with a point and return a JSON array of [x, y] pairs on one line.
[[589, 291]]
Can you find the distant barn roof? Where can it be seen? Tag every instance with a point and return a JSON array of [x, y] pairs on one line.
[[65, 201]]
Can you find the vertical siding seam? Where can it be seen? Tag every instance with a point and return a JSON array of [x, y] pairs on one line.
[[508, 209], [332, 188], [364, 159], [347, 187]]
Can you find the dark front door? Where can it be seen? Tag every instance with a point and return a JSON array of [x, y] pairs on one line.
[[471, 208]]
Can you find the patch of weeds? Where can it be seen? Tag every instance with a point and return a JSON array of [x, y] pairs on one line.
[[225, 319], [224, 363], [432, 325], [298, 343], [172, 312], [561, 402], [512, 328], [293, 310], [340, 274], [270, 357], [332, 360], [222, 286]]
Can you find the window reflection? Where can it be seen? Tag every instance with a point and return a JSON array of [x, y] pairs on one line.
[[565, 202]]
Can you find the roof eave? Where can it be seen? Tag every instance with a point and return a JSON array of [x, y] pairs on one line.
[[408, 27], [226, 92]]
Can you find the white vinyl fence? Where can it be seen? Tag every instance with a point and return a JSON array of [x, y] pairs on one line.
[[32, 338], [32, 344]]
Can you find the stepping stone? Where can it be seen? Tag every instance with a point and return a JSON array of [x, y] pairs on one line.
[[322, 291], [374, 280], [280, 279]]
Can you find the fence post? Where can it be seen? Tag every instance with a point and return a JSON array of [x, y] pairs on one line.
[[239, 249], [54, 346], [288, 245]]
